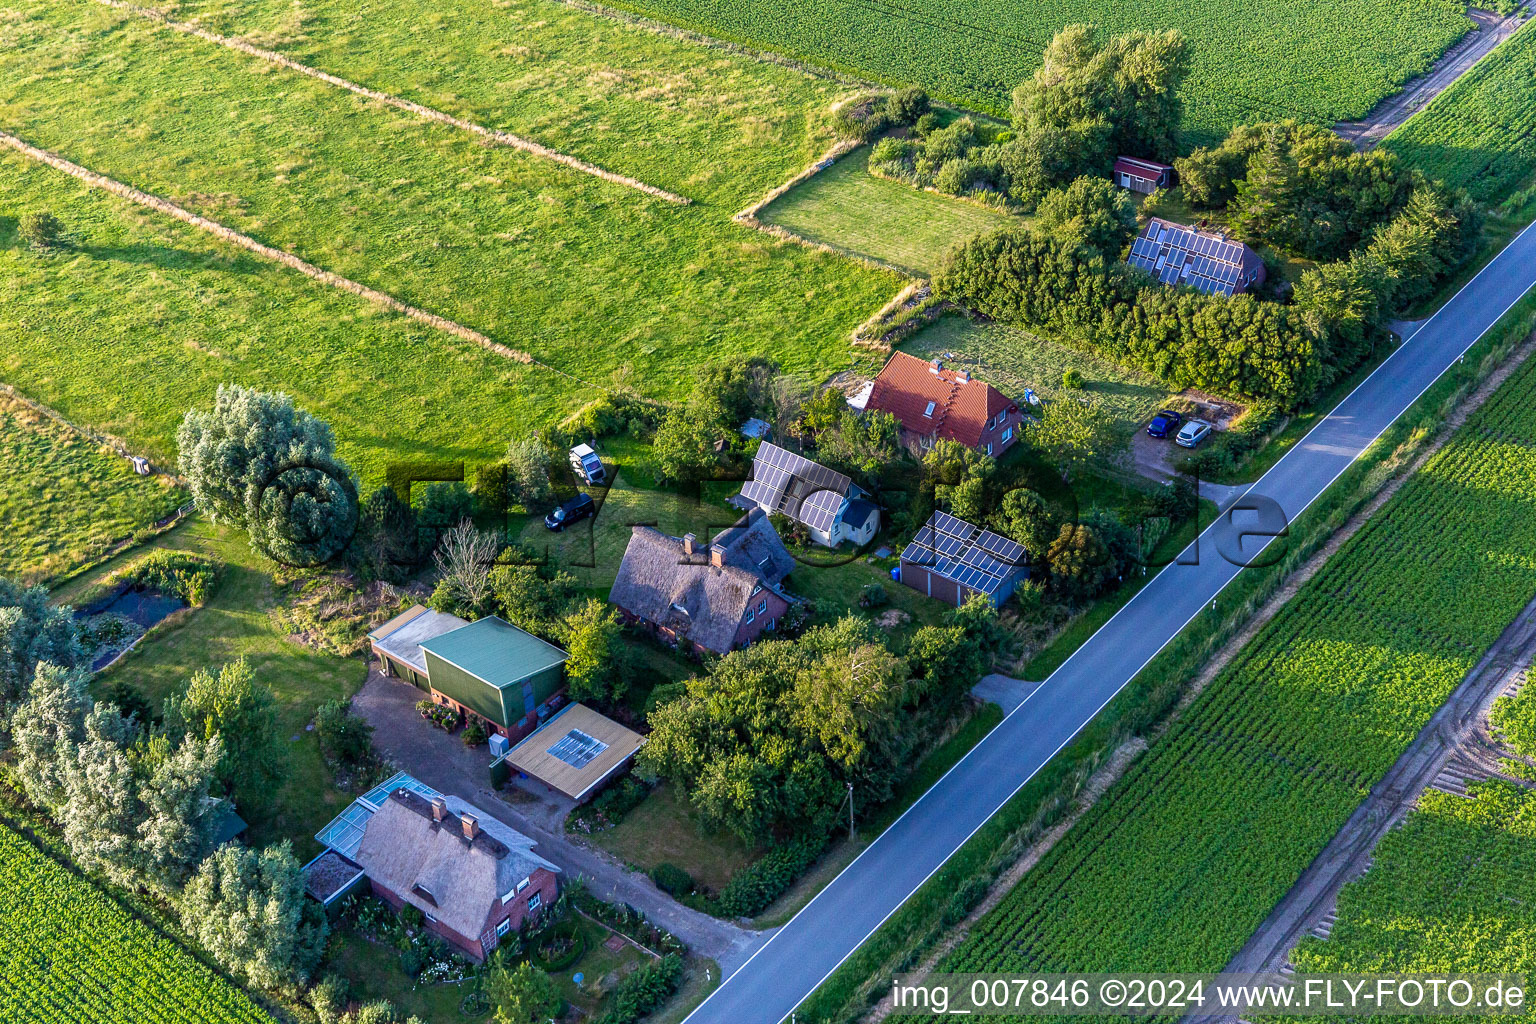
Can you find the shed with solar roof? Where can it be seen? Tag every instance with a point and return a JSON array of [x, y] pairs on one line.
[[1177, 254], [952, 560], [577, 751]]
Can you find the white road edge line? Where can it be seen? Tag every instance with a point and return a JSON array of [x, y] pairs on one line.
[[1323, 490]]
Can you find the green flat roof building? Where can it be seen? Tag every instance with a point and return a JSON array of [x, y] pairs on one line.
[[495, 670]]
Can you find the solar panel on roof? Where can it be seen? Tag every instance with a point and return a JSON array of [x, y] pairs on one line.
[[577, 749], [1010, 551]]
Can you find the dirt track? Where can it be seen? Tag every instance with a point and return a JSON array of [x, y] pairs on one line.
[[1458, 60]]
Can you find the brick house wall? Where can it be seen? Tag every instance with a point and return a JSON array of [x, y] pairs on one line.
[[1009, 424], [516, 913], [750, 631]]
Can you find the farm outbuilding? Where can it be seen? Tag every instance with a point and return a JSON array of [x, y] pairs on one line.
[[952, 560], [1144, 176]]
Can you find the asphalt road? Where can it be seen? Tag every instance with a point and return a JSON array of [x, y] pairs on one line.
[[806, 950]]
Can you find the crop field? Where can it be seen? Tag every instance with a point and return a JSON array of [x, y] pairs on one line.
[[848, 208], [1316, 60], [1481, 132], [63, 499], [598, 280], [1174, 868], [1452, 890], [69, 954]]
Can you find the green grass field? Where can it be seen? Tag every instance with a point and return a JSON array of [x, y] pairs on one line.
[[1480, 133], [63, 499], [237, 622], [594, 278], [1453, 890], [71, 954], [1253, 59], [848, 208], [1013, 359]]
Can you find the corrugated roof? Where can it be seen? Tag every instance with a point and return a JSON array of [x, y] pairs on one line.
[[402, 636], [495, 651], [961, 405]]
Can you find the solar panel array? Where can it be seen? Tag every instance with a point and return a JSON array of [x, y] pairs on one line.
[[345, 832], [577, 749], [955, 549], [1179, 255], [803, 490]]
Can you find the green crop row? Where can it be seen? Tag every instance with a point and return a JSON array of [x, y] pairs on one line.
[[1481, 132], [70, 954], [1253, 60], [1453, 890], [1183, 859]]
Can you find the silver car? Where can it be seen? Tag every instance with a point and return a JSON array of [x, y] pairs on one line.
[[1193, 433]]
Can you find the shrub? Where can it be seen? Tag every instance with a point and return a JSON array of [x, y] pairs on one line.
[[754, 887], [475, 733], [1072, 379], [908, 105], [671, 879], [956, 176], [557, 947], [411, 961], [329, 998], [664, 693], [491, 489], [964, 899], [926, 125], [344, 739], [412, 917], [873, 596], [644, 990], [40, 228]]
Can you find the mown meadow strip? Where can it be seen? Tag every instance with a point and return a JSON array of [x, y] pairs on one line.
[[70, 954], [1183, 858], [584, 275]]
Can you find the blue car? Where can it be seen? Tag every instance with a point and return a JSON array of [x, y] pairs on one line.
[[1164, 423]]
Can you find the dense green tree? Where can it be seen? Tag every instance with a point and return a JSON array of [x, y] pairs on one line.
[[248, 909], [1081, 565], [740, 387], [522, 994], [864, 445], [232, 705], [176, 824], [257, 461], [592, 637], [46, 728], [387, 535], [535, 598], [1092, 211], [1074, 435], [1026, 518], [529, 463], [686, 439], [32, 631]]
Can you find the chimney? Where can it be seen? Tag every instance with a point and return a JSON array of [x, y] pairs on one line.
[[471, 825], [716, 555], [439, 808], [689, 543], [935, 366]]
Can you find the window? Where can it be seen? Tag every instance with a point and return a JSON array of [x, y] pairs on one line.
[[929, 411], [989, 447], [751, 614], [507, 896], [534, 901], [762, 606], [504, 927], [1007, 435], [522, 885], [759, 586]]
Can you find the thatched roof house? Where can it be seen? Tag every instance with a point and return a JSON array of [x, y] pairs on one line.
[[715, 599]]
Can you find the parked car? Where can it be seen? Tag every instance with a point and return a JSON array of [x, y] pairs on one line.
[[1165, 423], [578, 508], [587, 465], [1193, 433]]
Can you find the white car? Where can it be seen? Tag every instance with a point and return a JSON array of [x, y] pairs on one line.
[[1192, 433]]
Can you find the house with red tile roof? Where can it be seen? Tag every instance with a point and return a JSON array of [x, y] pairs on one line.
[[931, 403]]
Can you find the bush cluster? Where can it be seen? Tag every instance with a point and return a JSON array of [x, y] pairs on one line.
[[644, 990], [877, 115], [752, 889]]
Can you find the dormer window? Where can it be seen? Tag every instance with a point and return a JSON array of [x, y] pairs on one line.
[[424, 893], [928, 412]]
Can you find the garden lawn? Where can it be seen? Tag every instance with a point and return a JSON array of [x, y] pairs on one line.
[[64, 499], [373, 971], [665, 828], [1012, 359], [601, 968], [236, 621], [1316, 60], [848, 208], [604, 283]]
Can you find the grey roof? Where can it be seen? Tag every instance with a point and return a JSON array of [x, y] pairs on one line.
[[705, 603], [1176, 254], [973, 557], [402, 636], [434, 867], [803, 490]]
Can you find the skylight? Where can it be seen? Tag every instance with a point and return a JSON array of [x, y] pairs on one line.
[[577, 749]]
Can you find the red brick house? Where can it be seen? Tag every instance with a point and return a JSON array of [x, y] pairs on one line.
[[714, 599], [932, 403], [473, 877]]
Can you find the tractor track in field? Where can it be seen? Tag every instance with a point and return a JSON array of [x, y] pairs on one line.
[[287, 259], [493, 135]]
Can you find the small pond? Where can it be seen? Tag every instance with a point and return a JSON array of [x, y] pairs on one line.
[[121, 619]]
